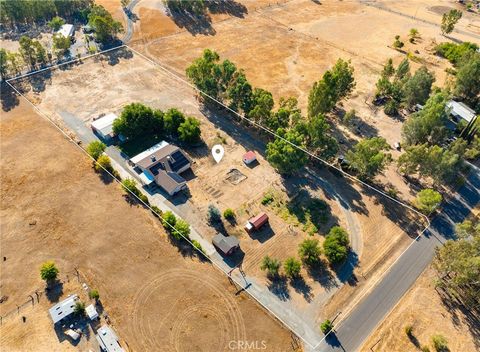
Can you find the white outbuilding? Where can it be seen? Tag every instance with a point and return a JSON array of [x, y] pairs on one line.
[[91, 312], [103, 126], [67, 30], [63, 309]]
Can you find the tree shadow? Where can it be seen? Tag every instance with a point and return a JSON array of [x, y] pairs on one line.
[[413, 340], [344, 271], [263, 234], [229, 7], [113, 57], [300, 286], [54, 290], [8, 97], [321, 274], [105, 177], [278, 286], [333, 340]]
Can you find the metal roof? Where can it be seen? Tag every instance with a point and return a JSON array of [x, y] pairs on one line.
[[460, 110], [63, 309], [107, 340], [225, 243], [66, 30], [105, 124]]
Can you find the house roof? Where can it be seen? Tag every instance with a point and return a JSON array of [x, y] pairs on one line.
[[461, 110], [225, 243], [66, 30], [91, 312], [107, 340], [63, 309], [169, 181], [258, 220], [105, 124]]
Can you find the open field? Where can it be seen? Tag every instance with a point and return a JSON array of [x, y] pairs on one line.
[[158, 296], [379, 228], [422, 307]]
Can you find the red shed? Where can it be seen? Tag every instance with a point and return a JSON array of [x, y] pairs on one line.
[[256, 222], [249, 157]]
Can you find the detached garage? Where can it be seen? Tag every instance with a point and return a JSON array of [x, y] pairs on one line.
[[103, 127]]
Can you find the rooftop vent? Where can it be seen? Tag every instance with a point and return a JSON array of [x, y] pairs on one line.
[[153, 158]]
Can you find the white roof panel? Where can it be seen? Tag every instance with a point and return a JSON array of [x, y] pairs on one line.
[[66, 30], [63, 309], [461, 110], [148, 152], [91, 312]]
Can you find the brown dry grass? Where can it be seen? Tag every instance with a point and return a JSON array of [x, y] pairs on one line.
[[154, 295]]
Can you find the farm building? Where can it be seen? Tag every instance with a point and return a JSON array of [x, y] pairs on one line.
[[67, 30], [162, 164], [249, 157], [103, 127], [63, 309], [460, 111], [108, 340], [91, 312], [226, 244], [256, 222]]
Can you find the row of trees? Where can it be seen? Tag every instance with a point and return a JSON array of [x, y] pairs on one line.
[[138, 120], [335, 247], [13, 12]]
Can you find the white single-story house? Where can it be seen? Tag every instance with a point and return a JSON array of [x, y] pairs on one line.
[[103, 127], [67, 30], [107, 340], [460, 111], [63, 309], [162, 164], [91, 312]]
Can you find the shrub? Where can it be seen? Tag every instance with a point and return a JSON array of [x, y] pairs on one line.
[[336, 245], [397, 43], [292, 267], [79, 308], [440, 343], [229, 214], [181, 229], [309, 251], [326, 326], [129, 185], [198, 246], [48, 271], [156, 211], [267, 198], [349, 117], [409, 330], [93, 294], [168, 220], [391, 107], [271, 266], [143, 198], [455, 52], [103, 163], [425, 349], [214, 215], [95, 149], [428, 200]]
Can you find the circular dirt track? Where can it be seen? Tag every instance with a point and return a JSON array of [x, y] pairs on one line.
[[179, 310]]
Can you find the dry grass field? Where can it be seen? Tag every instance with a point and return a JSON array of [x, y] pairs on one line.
[[422, 307], [54, 206]]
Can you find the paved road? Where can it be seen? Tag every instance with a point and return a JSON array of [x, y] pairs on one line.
[[128, 18], [353, 331]]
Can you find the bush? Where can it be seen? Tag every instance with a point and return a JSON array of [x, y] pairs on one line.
[[267, 198], [79, 308], [103, 163], [409, 330], [292, 267], [95, 149], [391, 107], [428, 200], [48, 271], [271, 266], [349, 117], [214, 215], [130, 186], [156, 211], [168, 220], [440, 343], [425, 349], [93, 294], [326, 326], [198, 246], [336, 245], [144, 198], [181, 229], [229, 214], [455, 52], [309, 251]]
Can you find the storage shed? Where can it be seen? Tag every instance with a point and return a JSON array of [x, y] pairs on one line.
[[256, 222], [103, 127], [226, 244], [249, 157]]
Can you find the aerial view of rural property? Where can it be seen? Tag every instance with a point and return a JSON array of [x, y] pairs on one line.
[[240, 175]]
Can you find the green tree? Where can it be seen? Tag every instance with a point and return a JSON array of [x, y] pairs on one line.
[[428, 200], [349, 117], [343, 77], [449, 20], [326, 326], [403, 70], [27, 50], [181, 229], [3, 63], [262, 105], [93, 294], [95, 149], [169, 220], [367, 157], [271, 265], [336, 245], [189, 130], [455, 53], [15, 61], [79, 308], [467, 84], [240, 93], [40, 53], [319, 137], [429, 124], [202, 73], [48, 271], [106, 28], [55, 23], [229, 214], [287, 114], [292, 267], [388, 70], [103, 163], [285, 157], [61, 45], [321, 98], [417, 89], [138, 120], [172, 120], [309, 251]]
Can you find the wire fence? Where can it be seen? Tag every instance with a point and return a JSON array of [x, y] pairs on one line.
[[39, 294]]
